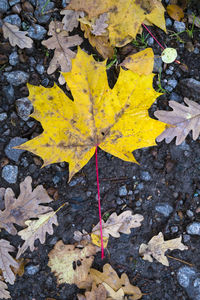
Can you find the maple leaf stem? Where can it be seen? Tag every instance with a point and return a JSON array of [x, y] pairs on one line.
[[99, 204]]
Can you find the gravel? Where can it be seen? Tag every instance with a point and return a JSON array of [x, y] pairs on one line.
[[14, 58], [193, 228], [13, 2], [40, 69], [3, 116], [16, 78], [8, 92], [37, 32], [9, 173], [123, 191], [23, 107], [145, 175], [42, 19], [164, 208], [13, 19], [32, 270], [4, 6], [189, 279], [179, 26], [14, 154]]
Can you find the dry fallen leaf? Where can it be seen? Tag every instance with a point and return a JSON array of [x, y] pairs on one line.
[[116, 225], [37, 229], [116, 120], [26, 206], [115, 286], [100, 25], [183, 119], [175, 12], [97, 293], [125, 16], [70, 20], [61, 42], [4, 294], [7, 261], [15, 36], [157, 247], [71, 264], [141, 62]]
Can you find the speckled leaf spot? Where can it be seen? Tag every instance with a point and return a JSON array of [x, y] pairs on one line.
[[115, 119]]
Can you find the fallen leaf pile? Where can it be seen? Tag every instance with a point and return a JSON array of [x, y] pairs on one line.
[[15, 36], [157, 247], [116, 120], [18, 211], [182, 119], [122, 20]]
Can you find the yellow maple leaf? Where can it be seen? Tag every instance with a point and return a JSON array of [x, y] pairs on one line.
[[125, 16], [115, 119]]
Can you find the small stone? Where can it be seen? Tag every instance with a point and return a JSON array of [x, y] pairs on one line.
[[174, 229], [37, 32], [56, 179], [169, 72], [24, 162], [140, 186], [16, 78], [43, 6], [13, 2], [9, 173], [78, 180], [172, 82], [32, 270], [45, 82], [150, 41], [190, 213], [138, 203], [13, 59], [193, 228], [145, 175], [14, 154], [186, 238], [27, 6], [190, 87], [185, 275], [3, 116], [40, 69], [65, 2], [174, 96], [119, 201], [164, 209], [168, 22], [13, 19], [17, 8], [169, 88], [9, 94], [157, 64], [88, 193], [23, 107], [123, 191], [4, 6], [196, 50], [179, 26]]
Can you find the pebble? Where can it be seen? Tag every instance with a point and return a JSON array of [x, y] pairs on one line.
[[193, 228], [17, 8], [189, 213], [169, 72], [186, 238], [157, 64], [13, 2], [45, 82], [123, 191], [119, 201], [24, 162], [189, 279], [144, 175], [78, 180], [169, 88], [140, 186], [179, 26], [168, 22], [14, 154], [164, 209], [9, 173], [13, 19], [37, 32], [9, 94], [3, 116], [88, 193], [13, 59], [23, 107], [4, 6], [190, 87], [174, 229], [42, 19], [56, 179], [174, 96], [40, 69], [16, 78], [196, 50], [32, 168], [32, 270], [173, 83], [150, 41]]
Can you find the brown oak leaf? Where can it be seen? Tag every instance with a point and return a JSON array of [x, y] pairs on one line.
[[70, 19], [26, 206]]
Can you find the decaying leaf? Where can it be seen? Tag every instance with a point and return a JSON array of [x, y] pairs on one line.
[[141, 62], [175, 12], [71, 264], [7, 261], [116, 225], [37, 229], [61, 42], [70, 20], [97, 292], [15, 36], [125, 16], [112, 282], [100, 25], [4, 294], [116, 120], [183, 119], [157, 247], [26, 206]]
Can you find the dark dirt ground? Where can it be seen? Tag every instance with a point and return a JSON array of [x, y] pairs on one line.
[[173, 178]]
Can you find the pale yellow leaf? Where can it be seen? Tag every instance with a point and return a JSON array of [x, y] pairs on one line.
[[4, 294], [157, 247], [169, 55]]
